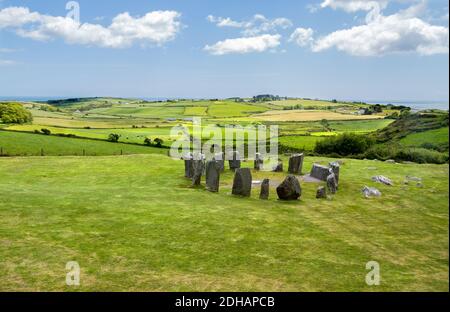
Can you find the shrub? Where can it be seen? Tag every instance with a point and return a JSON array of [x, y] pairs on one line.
[[14, 113], [114, 137], [158, 142], [400, 153], [148, 142], [46, 131], [344, 144], [421, 155]]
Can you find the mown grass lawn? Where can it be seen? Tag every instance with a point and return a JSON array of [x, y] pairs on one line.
[[134, 223]]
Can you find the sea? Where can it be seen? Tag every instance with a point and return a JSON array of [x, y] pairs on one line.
[[415, 105]]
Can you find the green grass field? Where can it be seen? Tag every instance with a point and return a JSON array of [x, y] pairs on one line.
[[128, 135], [134, 223], [437, 136], [232, 109], [306, 143], [28, 144], [156, 112], [196, 111]]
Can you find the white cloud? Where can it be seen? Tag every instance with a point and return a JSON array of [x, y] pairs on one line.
[[7, 62], [396, 33], [7, 50], [244, 45], [256, 25], [302, 36], [355, 5], [225, 22], [155, 27]]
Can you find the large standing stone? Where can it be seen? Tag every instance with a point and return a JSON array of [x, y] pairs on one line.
[[258, 162], [242, 183], [188, 166], [320, 172], [279, 166], [289, 189], [212, 176], [335, 167], [321, 192], [220, 159], [265, 186], [332, 183], [296, 164], [198, 166], [235, 160]]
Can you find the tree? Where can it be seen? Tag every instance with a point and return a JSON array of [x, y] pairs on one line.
[[148, 141], [114, 137], [377, 108], [14, 113], [325, 124], [159, 142]]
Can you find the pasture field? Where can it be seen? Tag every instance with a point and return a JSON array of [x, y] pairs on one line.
[[94, 122], [436, 136], [309, 115], [304, 143], [155, 112], [232, 109], [28, 144], [310, 104], [127, 135], [360, 126], [196, 111], [134, 223]]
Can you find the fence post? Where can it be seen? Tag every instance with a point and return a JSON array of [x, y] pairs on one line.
[[1, 151], [84, 152], [42, 152], [121, 152]]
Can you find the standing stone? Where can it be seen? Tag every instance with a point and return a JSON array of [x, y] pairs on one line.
[[296, 164], [235, 161], [264, 189], [335, 168], [289, 189], [198, 166], [320, 172], [212, 176], [321, 192], [332, 183], [258, 162], [279, 166], [188, 166], [220, 160], [242, 183]]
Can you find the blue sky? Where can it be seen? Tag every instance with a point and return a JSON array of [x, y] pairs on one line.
[[344, 49]]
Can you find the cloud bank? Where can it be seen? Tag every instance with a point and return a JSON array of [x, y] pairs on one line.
[[402, 32], [157, 27]]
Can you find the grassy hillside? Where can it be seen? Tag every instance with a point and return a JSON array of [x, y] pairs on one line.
[[412, 123], [134, 223], [437, 138], [28, 144]]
